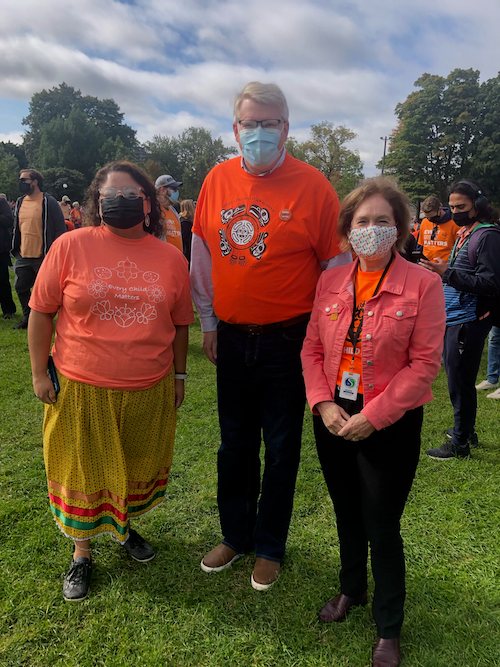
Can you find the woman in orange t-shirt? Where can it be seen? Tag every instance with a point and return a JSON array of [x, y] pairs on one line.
[[119, 359]]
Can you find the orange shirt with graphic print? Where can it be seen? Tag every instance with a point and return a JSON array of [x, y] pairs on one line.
[[171, 227], [267, 235], [438, 243], [365, 285], [118, 306]]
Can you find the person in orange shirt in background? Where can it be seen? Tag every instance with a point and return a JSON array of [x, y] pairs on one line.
[[75, 215], [438, 232], [165, 187]]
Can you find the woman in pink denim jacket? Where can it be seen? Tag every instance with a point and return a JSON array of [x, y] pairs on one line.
[[372, 350]]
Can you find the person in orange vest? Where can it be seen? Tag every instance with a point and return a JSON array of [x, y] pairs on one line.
[[165, 187]]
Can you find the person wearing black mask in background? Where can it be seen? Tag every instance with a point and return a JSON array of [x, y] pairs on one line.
[[471, 278], [6, 301], [38, 221]]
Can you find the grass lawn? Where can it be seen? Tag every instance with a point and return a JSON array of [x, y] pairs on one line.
[[168, 612]]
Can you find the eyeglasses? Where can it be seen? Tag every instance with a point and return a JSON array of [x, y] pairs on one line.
[[268, 124], [434, 232], [129, 192]]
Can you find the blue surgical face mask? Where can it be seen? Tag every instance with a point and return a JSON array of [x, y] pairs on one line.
[[174, 195], [260, 147]]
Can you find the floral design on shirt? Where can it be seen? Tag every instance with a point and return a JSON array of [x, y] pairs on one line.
[[124, 316], [156, 293], [103, 309], [127, 270], [98, 288], [146, 313]]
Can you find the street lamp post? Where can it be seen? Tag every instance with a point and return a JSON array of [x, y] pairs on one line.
[[385, 140]]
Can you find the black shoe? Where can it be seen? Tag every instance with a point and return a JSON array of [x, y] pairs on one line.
[[9, 316], [137, 547], [473, 440], [23, 324], [448, 451], [77, 582]]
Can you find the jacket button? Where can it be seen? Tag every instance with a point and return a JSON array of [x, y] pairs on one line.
[[328, 309], [370, 386], [399, 313], [370, 313], [369, 363], [368, 336]]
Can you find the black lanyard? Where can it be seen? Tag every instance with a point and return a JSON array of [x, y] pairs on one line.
[[354, 332]]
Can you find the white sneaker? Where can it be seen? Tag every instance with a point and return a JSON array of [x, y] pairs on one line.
[[486, 385], [495, 394]]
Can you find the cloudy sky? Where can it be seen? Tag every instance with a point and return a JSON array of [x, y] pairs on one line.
[[171, 65]]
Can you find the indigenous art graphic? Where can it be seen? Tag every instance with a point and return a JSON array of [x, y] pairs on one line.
[[125, 315], [242, 233]]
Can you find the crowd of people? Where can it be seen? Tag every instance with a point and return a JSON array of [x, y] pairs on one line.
[[300, 298]]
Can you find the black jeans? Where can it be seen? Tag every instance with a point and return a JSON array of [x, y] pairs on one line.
[[26, 270], [369, 482], [463, 347], [259, 388]]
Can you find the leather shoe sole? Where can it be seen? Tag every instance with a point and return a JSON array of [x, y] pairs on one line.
[[386, 653], [336, 609]]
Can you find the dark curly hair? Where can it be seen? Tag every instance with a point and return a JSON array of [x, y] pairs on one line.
[[91, 204]]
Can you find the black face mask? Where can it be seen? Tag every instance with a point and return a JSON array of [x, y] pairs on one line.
[[24, 188], [435, 219], [462, 218], [121, 212]]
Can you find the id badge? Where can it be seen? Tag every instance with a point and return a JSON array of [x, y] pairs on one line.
[[349, 386]]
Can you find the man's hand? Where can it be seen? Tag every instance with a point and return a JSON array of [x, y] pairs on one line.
[[44, 389], [209, 346], [357, 428], [333, 416], [438, 265]]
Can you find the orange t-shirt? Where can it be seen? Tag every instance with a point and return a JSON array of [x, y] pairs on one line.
[[365, 283], [267, 235], [119, 301], [442, 243], [30, 226], [171, 227]]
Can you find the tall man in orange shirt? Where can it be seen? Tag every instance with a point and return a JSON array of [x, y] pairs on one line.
[[438, 231], [38, 221], [264, 228]]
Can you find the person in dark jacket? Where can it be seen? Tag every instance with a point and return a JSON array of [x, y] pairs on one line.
[[6, 300], [471, 278], [186, 220], [38, 221]]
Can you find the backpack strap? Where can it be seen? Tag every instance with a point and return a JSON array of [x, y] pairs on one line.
[[473, 241]]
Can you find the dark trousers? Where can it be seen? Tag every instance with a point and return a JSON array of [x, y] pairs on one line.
[[463, 347], [259, 388], [26, 269], [369, 482], [6, 301]]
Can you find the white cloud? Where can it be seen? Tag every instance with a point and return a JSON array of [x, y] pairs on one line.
[[14, 137]]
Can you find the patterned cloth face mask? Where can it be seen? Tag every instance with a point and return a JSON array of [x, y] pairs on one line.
[[373, 242]]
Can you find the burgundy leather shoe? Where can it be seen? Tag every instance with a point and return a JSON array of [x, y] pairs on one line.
[[386, 653], [336, 610]]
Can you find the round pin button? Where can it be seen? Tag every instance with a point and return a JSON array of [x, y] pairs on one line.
[[370, 386], [328, 309], [368, 336], [335, 305], [399, 313], [370, 313]]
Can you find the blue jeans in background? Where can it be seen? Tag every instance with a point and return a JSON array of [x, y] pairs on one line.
[[493, 371], [259, 389]]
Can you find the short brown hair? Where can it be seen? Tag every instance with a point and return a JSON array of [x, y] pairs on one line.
[[375, 186], [91, 215], [187, 209], [34, 176], [431, 204]]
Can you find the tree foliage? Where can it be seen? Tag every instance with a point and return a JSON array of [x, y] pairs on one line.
[[447, 129], [188, 158], [326, 151]]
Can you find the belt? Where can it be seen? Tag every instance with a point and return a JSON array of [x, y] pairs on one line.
[[258, 329]]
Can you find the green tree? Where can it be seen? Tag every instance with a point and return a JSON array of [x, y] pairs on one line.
[[9, 175], [485, 164], [437, 135], [326, 151], [55, 179]]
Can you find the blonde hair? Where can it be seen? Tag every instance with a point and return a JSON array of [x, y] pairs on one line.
[[263, 93], [375, 186], [187, 209]]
